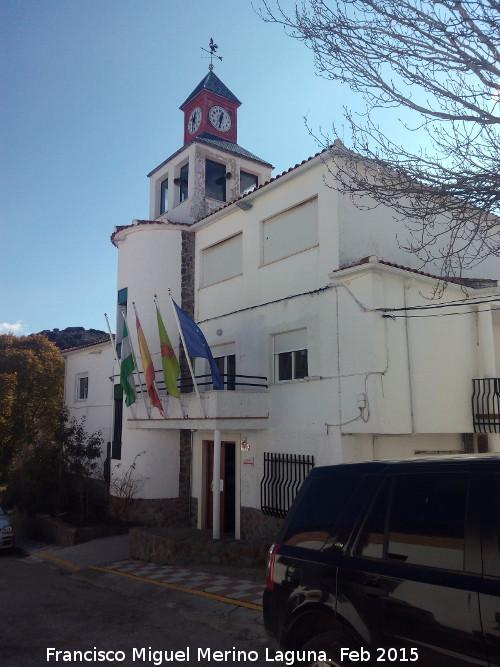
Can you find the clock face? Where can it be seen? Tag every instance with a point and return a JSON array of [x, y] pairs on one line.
[[220, 119], [194, 120]]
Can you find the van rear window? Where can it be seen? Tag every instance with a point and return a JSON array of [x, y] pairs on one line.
[[315, 517]]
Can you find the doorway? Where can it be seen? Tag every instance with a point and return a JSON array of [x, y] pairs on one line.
[[228, 485]]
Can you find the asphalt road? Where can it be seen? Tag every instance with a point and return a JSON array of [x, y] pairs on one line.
[[110, 620]]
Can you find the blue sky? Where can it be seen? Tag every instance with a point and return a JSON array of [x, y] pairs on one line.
[[91, 95]]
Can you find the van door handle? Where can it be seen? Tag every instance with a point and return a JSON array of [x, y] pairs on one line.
[[372, 589], [293, 575]]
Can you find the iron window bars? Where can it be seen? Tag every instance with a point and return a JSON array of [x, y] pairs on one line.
[[283, 475]]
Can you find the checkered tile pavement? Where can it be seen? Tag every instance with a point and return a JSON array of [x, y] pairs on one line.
[[35, 546], [236, 589]]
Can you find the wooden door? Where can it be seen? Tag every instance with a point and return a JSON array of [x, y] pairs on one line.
[[228, 485]]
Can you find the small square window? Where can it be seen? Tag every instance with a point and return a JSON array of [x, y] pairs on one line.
[[248, 182], [82, 387], [290, 356], [164, 196], [183, 183], [291, 365], [215, 180]]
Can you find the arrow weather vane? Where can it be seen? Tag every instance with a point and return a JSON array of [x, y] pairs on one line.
[[213, 48]]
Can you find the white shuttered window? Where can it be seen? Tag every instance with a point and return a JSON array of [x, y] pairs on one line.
[[222, 261], [290, 231]]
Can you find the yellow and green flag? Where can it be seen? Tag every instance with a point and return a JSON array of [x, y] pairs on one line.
[[171, 368]]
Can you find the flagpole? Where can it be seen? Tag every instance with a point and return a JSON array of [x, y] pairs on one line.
[[148, 412], [186, 353], [155, 299], [112, 340], [118, 361], [113, 343]]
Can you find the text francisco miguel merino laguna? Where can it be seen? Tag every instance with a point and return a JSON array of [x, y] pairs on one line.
[[154, 657]]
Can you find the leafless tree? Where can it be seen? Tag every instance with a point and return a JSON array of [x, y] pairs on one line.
[[440, 62]]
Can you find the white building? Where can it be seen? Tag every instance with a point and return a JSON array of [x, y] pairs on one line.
[[88, 386], [330, 347]]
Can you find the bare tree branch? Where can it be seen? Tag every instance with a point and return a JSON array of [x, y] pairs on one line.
[[441, 60]]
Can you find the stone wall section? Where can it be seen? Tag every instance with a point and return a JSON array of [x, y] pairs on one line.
[[158, 512], [257, 526]]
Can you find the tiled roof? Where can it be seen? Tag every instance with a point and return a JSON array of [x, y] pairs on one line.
[[213, 84], [474, 283], [264, 185], [81, 347], [228, 146], [136, 223], [211, 140]]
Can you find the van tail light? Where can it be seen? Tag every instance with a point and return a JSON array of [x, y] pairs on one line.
[[271, 557]]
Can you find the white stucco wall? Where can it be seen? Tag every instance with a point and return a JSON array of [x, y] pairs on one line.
[[149, 263], [96, 361]]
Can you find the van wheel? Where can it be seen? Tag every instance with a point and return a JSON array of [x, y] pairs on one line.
[[330, 643]]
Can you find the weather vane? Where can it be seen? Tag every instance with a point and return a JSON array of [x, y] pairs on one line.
[[213, 48]]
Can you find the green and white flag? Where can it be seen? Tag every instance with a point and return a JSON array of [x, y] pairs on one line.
[[127, 368]]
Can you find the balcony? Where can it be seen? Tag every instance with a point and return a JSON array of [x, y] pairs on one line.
[[241, 405], [486, 405]]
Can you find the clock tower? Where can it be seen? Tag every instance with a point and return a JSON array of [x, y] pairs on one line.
[[211, 108], [210, 169]]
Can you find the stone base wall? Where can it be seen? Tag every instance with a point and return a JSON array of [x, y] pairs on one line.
[[257, 526], [183, 546], [194, 513], [161, 512], [55, 531]]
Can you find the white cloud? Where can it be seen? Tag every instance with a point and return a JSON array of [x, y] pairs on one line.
[[15, 328]]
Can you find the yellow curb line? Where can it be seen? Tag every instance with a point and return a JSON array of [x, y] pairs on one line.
[[183, 589], [58, 560]]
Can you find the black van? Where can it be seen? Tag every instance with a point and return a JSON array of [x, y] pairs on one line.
[[390, 562]]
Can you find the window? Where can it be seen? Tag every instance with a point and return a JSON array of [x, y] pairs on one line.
[[290, 231], [116, 451], [215, 180], [222, 261], [82, 387], [227, 370], [247, 182], [290, 355], [164, 196], [426, 521], [121, 308], [183, 183]]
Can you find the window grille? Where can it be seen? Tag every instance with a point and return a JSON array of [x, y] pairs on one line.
[[283, 475], [486, 405]]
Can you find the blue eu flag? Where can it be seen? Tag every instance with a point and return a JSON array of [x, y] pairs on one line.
[[196, 344]]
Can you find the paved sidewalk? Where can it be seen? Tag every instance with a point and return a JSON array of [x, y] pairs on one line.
[[240, 589], [110, 555]]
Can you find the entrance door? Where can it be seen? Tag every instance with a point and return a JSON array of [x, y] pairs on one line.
[[228, 485]]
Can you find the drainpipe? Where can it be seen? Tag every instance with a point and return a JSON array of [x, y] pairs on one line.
[[487, 364], [407, 286], [216, 486]]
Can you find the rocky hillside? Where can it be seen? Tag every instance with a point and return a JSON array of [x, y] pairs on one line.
[[73, 336]]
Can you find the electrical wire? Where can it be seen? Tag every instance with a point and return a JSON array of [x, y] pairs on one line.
[[393, 317]]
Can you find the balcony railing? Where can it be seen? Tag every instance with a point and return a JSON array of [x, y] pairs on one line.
[[486, 405], [231, 382]]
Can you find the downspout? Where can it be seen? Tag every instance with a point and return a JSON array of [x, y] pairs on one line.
[[409, 284], [487, 364], [216, 486]]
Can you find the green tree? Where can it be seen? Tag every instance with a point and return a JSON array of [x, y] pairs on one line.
[[31, 394], [52, 476]]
